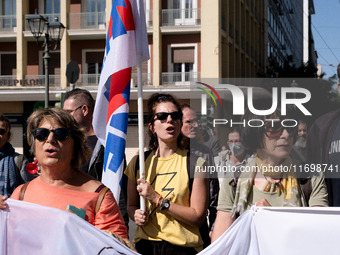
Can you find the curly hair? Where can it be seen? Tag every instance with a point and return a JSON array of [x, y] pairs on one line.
[[81, 151], [153, 101]]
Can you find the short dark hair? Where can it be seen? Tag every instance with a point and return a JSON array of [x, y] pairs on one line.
[[82, 95], [7, 123], [81, 151], [253, 137], [153, 101]]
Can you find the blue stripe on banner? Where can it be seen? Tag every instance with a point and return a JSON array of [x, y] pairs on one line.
[[118, 27], [126, 93], [107, 87], [118, 121], [116, 144]]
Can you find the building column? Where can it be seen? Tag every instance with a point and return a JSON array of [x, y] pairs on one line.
[[157, 43], [65, 44], [21, 41], [211, 39]]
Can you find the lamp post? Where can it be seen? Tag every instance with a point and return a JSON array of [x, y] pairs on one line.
[[39, 25]]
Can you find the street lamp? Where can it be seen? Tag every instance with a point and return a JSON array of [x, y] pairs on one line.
[[39, 25]]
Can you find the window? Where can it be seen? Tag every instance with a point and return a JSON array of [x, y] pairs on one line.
[[95, 12], [184, 11], [7, 63], [8, 9], [52, 6], [93, 61], [183, 64]]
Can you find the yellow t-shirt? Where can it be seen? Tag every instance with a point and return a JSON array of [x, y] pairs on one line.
[[169, 177]]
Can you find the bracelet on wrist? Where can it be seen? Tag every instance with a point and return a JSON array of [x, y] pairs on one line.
[[159, 200]]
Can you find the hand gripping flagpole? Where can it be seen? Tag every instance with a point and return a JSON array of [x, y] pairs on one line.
[[140, 129]]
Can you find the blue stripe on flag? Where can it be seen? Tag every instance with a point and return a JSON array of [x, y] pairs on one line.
[[118, 121], [114, 144]]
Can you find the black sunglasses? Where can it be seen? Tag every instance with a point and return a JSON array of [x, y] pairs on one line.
[[164, 115], [2, 131], [60, 134], [275, 130]]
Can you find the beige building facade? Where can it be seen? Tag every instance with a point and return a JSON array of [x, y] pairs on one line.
[[188, 40]]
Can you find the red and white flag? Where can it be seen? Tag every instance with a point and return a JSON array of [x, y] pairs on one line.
[[126, 46]]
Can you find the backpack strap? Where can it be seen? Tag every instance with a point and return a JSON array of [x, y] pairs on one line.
[[191, 164], [23, 190], [102, 191]]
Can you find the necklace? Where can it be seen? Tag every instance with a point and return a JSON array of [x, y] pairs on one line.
[[273, 186]]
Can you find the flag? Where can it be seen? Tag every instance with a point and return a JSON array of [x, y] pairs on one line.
[[126, 46]]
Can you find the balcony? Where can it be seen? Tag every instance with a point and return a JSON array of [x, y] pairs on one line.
[[50, 17], [180, 78], [8, 23], [87, 20], [148, 18], [181, 17], [146, 79]]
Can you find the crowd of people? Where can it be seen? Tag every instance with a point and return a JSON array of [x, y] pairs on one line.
[[186, 209]]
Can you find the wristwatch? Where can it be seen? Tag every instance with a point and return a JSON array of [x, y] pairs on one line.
[[165, 204]]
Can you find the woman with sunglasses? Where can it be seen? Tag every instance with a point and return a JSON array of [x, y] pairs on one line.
[[12, 165], [60, 147], [174, 210], [263, 183]]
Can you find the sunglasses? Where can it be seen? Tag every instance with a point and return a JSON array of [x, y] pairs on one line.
[[60, 134], [274, 130], [2, 131], [164, 115]]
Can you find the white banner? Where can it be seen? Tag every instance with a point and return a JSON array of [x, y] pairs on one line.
[[281, 230], [34, 229]]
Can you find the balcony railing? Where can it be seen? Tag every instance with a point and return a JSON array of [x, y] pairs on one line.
[[87, 20], [148, 18], [8, 23], [88, 80], [179, 78], [181, 17], [50, 17], [146, 79]]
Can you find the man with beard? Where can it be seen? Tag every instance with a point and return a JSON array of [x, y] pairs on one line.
[[193, 141], [299, 148]]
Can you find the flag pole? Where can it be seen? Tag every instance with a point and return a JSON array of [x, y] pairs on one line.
[[140, 129]]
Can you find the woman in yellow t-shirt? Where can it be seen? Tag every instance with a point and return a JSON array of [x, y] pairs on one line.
[[174, 212]]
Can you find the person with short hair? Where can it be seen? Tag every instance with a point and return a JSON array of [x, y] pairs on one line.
[[233, 158], [299, 147], [193, 141], [80, 104], [12, 164]]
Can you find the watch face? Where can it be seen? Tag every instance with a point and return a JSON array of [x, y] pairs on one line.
[[166, 205]]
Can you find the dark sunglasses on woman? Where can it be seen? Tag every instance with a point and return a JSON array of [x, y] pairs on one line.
[[60, 134], [164, 115], [274, 130]]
